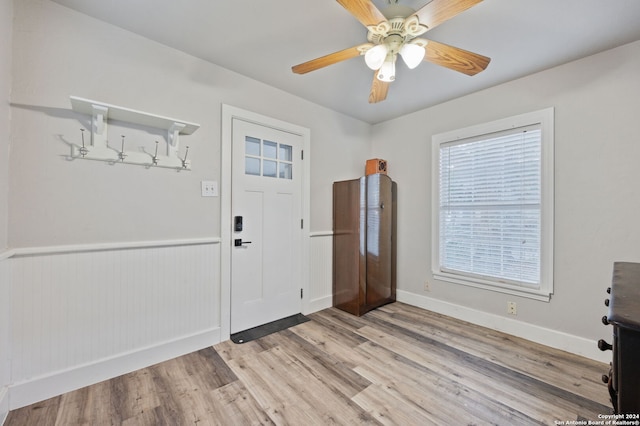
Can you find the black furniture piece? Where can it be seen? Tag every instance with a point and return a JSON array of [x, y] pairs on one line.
[[364, 243], [624, 316]]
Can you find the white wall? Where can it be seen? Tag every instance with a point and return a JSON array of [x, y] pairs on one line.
[[596, 186], [59, 53], [6, 26], [5, 342], [6, 29], [104, 217]]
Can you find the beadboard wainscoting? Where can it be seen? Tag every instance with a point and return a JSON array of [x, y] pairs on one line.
[[321, 271], [83, 315], [5, 310]]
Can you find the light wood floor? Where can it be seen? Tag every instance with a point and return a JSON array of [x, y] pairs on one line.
[[398, 365]]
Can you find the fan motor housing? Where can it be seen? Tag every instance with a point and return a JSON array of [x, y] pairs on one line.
[[397, 11], [404, 28]]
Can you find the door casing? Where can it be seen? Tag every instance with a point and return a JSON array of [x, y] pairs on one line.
[[228, 114]]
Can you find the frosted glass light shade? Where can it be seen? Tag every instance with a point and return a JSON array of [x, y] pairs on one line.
[[374, 58], [412, 54], [388, 70]]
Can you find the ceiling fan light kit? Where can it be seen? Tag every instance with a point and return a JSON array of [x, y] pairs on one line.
[[375, 56], [412, 54], [395, 31], [388, 70]]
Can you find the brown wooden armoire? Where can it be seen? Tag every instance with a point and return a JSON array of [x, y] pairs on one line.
[[364, 243]]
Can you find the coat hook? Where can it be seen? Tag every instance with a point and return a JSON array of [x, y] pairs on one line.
[[121, 154], [83, 151], [155, 156], [184, 160]]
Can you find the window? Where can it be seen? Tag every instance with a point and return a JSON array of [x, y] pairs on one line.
[[267, 158], [493, 205]]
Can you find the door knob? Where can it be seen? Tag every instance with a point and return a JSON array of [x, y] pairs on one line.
[[238, 242]]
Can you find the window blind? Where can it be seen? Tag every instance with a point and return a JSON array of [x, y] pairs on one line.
[[490, 206]]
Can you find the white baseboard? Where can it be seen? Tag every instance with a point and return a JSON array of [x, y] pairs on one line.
[[4, 404], [319, 304], [44, 387], [545, 336]]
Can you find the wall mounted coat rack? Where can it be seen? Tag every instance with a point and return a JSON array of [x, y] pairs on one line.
[[99, 149]]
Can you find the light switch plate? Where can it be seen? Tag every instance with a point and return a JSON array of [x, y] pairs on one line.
[[209, 188]]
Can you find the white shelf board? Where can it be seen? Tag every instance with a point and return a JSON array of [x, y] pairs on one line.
[[85, 106]]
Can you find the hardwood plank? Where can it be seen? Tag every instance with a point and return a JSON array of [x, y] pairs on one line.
[[417, 399], [333, 374], [265, 387], [41, 413], [170, 388], [75, 406], [395, 365], [290, 394], [550, 365], [229, 350], [331, 341], [341, 320], [492, 374], [237, 406], [143, 393], [427, 386], [154, 416], [206, 369], [389, 410]]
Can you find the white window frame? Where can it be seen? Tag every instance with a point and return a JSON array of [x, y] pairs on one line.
[[545, 119]]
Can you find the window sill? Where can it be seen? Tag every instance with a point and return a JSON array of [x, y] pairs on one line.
[[531, 293]]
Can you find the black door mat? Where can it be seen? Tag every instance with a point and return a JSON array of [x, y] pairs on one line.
[[268, 328]]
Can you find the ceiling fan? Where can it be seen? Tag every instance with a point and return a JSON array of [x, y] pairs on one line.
[[394, 32]]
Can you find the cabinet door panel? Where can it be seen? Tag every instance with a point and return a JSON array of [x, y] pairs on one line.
[[379, 243], [346, 246]]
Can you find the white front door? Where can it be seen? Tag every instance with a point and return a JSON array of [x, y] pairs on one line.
[[266, 206]]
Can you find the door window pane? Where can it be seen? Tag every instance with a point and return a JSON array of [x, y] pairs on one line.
[[285, 152], [252, 146], [270, 149], [269, 168], [285, 171], [252, 166]]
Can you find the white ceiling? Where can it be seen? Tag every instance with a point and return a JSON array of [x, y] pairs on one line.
[[263, 39]]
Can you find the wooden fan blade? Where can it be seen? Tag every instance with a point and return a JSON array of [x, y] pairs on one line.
[[379, 89], [436, 12], [460, 60], [326, 60], [364, 11]]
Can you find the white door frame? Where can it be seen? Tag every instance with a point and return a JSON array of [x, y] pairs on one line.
[[226, 143]]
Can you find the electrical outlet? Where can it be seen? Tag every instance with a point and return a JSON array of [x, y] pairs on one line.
[[209, 188], [511, 308], [427, 287]]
